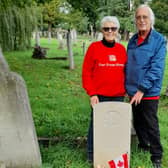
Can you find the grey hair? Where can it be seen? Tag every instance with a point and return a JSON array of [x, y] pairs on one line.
[[152, 16], [110, 19]]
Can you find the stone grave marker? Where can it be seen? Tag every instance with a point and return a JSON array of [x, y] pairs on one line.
[[99, 36], [112, 132], [18, 141]]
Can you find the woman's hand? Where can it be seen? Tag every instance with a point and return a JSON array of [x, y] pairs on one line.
[[94, 100]]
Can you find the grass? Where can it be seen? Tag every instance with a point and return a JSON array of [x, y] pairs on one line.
[[61, 109]]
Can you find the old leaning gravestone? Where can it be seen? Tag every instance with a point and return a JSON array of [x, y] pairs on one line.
[[112, 133], [18, 141]]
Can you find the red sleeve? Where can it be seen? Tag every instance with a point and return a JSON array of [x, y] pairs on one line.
[[87, 71]]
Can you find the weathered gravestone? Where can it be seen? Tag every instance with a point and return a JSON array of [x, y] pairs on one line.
[[61, 41], [18, 142], [99, 36], [112, 133], [74, 36]]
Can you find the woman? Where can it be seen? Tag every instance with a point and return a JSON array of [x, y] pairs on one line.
[[103, 73]]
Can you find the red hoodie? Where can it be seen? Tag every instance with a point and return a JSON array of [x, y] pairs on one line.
[[104, 70]]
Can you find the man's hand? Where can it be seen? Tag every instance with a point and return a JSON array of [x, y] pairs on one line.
[[94, 100], [137, 97]]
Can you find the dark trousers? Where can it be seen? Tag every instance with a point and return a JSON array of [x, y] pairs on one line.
[[90, 132], [146, 125]]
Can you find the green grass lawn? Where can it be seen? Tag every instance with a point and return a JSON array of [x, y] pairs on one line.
[[61, 109]]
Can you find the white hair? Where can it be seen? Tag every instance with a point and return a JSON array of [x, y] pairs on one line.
[[152, 16], [110, 19]]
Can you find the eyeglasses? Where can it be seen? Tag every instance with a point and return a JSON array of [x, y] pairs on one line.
[[141, 17], [107, 29]]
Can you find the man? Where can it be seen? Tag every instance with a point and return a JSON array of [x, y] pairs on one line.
[[144, 72]]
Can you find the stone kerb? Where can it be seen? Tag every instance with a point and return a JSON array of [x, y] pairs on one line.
[[18, 141]]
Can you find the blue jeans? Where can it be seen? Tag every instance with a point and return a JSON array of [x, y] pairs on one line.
[[90, 132]]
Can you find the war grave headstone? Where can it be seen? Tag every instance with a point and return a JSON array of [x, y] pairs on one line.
[[112, 134]]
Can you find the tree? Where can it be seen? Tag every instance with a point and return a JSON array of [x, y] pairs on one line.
[[160, 9], [17, 20], [119, 8], [95, 10], [69, 17], [138, 2], [51, 13], [89, 9]]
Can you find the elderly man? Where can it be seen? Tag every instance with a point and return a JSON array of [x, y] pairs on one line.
[[144, 73]]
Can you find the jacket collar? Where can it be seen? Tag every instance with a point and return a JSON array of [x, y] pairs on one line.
[[148, 38]]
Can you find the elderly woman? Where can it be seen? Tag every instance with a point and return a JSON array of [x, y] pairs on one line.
[[103, 70]]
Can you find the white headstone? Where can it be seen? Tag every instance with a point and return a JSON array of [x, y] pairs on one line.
[[49, 37], [74, 35], [61, 41], [99, 36], [59, 36], [33, 35], [112, 131], [37, 38]]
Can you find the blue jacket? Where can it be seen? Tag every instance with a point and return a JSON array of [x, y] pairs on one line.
[[145, 66]]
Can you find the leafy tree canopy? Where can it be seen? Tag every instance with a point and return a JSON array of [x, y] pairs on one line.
[[18, 3], [17, 20], [160, 9]]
